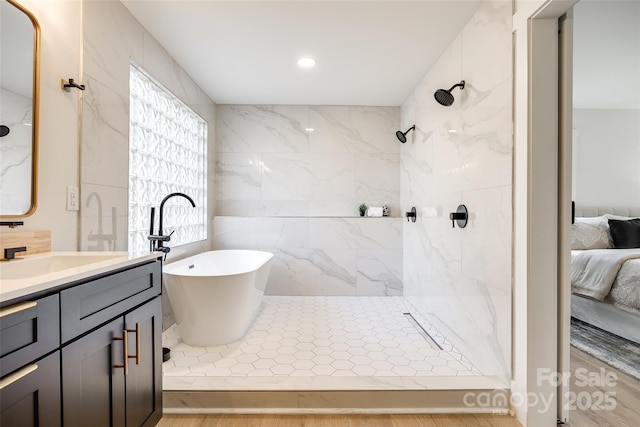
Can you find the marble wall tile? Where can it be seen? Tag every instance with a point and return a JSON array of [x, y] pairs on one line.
[[479, 154], [350, 157], [306, 176], [313, 272], [262, 129], [105, 136], [257, 233], [351, 266], [461, 278], [157, 61], [365, 233], [379, 272], [111, 35], [486, 51], [352, 129], [488, 241], [377, 176], [241, 176]]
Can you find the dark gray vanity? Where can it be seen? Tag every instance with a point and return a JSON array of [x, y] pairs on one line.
[[85, 353]]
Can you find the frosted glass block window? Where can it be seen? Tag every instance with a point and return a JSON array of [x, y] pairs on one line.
[[167, 154]]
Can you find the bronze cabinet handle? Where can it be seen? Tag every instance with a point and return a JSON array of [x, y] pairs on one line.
[[7, 311], [137, 355], [125, 364], [18, 375]]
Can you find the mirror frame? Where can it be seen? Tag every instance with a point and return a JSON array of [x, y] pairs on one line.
[[35, 105]]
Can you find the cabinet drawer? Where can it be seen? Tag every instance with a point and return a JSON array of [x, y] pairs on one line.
[[91, 304], [29, 330]]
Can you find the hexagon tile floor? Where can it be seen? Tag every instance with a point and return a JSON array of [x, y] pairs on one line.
[[320, 343]]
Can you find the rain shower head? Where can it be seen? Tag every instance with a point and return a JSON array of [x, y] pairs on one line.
[[402, 136], [444, 97]]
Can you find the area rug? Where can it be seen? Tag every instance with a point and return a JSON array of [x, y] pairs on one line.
[[611, 349]]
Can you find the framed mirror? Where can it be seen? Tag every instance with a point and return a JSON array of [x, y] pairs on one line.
[[19, 80]]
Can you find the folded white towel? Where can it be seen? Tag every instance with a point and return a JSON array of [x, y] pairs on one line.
[[374, 211]]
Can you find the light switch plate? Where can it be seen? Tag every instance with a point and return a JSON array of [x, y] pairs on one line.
[[73, 198]]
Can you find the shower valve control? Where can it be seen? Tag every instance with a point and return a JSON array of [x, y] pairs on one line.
[[460, 216], [411, 215]]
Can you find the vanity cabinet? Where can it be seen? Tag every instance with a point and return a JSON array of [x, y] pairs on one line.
[[33, 399], [87, 353], [110, 380], [29, 331]]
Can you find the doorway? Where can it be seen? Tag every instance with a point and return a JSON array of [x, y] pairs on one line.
[[598, 50]]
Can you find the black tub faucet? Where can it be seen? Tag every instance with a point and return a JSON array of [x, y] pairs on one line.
[[157, 240]]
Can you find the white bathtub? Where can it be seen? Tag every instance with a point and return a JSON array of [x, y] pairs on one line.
[[216, 295]]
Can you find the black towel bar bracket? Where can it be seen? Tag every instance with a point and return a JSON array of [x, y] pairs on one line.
[[66, 86]]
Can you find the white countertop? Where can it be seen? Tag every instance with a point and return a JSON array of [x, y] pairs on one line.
[[45, 271]]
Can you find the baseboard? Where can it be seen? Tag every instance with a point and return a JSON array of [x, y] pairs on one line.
[[349, 402]]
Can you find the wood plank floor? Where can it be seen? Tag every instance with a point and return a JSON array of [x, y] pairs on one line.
[[338, 421], [625, 414], [627, 396]]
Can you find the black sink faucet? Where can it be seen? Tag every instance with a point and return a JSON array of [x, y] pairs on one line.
[[160, 237], [10, 253]]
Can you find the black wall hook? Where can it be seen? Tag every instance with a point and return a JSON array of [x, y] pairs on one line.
[[66, 86], [460, 216]]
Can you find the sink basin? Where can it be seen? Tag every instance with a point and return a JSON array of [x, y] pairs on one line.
[[44, 272], [31, 267]]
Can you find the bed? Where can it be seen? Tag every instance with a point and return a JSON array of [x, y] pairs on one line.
[[605, 269]]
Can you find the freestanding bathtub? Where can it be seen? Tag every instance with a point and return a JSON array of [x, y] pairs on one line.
[[216, 295]]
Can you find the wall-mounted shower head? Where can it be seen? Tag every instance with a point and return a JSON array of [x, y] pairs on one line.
[[444, 97], [402, 136]]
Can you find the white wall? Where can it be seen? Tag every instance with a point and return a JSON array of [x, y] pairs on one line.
[[275, 178], [270, 164], [113, 38], [60, 24], [460, 279], [607, 157]]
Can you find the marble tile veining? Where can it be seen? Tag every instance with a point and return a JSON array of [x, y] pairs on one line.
[[321, 256], [306, 160], [463, 154]]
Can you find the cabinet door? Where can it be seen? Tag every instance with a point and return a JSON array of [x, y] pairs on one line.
[[144, 381], [93, 391], [33, 399]]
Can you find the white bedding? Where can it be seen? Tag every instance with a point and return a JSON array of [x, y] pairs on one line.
[[594, 271], [625, 292]]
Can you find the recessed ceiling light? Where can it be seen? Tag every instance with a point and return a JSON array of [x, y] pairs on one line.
[[309, 129], [306, 62]]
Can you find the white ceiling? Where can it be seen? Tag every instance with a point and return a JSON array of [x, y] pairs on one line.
[[245, 52]]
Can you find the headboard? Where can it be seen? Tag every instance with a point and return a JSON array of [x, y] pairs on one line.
[[599, 211]]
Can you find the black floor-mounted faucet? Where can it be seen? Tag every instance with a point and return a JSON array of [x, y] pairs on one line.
[[157, 240]]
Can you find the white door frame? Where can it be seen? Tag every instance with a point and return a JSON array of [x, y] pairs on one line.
[[535, 397]]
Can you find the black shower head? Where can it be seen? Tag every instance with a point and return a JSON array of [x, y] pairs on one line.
[[444, 97], [402, 136], [4, 130]]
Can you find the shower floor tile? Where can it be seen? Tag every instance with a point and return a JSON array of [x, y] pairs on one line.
[[322, 343]]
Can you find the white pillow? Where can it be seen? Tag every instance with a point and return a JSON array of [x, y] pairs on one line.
[[591, 233]]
